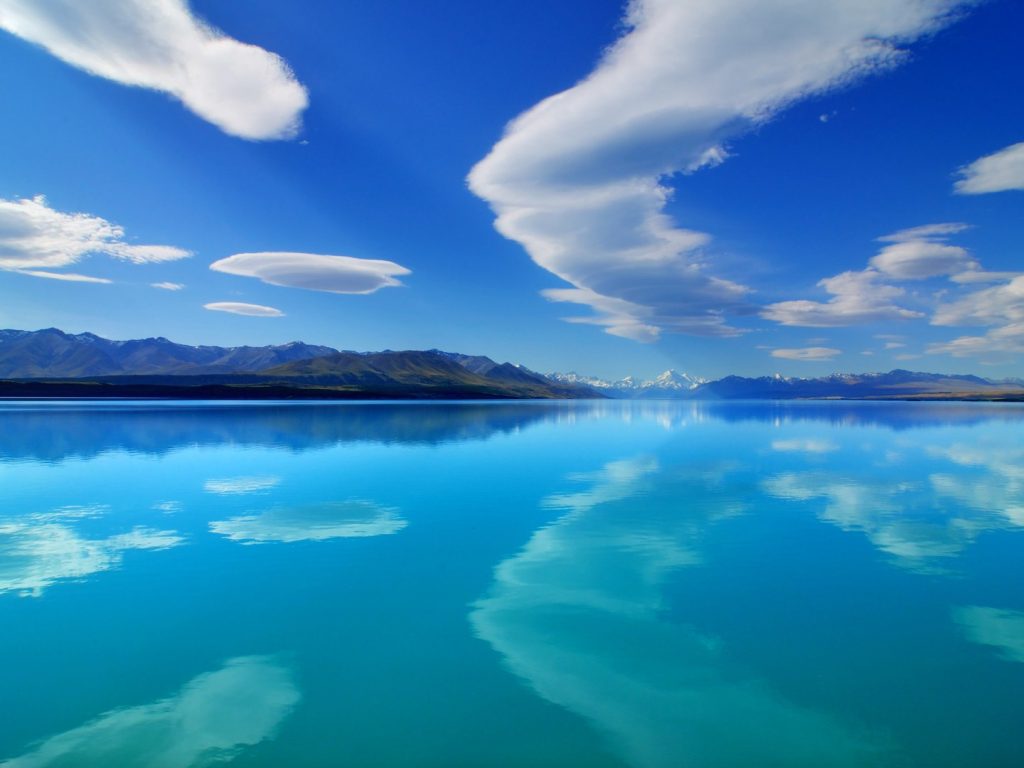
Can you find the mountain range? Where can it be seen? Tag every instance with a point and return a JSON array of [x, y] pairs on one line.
[[51, 362]]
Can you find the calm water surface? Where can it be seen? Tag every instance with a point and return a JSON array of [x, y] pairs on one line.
[[524, 584]]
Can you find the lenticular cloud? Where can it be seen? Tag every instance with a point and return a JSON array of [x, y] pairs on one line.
[[314, 271], [243, 89], [579, 179]]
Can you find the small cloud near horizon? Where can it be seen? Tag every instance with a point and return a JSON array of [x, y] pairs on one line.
[[809, 354]]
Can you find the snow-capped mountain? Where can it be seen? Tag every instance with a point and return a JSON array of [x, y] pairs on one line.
[[672, 379], [668, 384]]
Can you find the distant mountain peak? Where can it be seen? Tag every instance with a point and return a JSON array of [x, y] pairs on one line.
[[667, 383]]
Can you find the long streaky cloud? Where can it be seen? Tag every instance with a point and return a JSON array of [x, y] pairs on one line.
[[313, 271], [243, 89], [578, 180], [70, 277]]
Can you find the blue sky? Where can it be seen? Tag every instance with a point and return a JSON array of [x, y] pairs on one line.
[[708, 191]]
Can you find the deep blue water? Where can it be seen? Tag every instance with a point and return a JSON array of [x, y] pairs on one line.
[[511, 584]]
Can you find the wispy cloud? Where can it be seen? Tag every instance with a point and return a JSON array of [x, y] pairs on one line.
[[241, 308], [578, 179], [1007, 339], [999, 172], [868, 295], [1001, 306], [211, 720], [70, 277], [314, 272], [988, 306], [34, 237], [243, 89], [857, 298], [168, 286], [940, 231], [806, 353]]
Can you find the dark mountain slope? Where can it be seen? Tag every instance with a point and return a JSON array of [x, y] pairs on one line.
[[430, 371], [52, 353]]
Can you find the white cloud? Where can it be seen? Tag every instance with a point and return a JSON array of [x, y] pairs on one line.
[[168, 286], [578, 179], [34, 236], [998, 172], [241, 485], [312, 522], [70, 277], [995, 627], [989, 306], [868, 295], [241, 308], [211, 720], [244, 90], [922, 252], [39, 551], [1007, 339], [1001, 306], [939, 232], [315, 272], [806, 353], [920, 259], [858, 298], [981, 276]]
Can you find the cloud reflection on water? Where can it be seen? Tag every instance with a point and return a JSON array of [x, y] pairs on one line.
[[996, 627], [232, 486], [38, 550], [211, 720], [56, 432], [923, 517], [579, 614], [312, 522]]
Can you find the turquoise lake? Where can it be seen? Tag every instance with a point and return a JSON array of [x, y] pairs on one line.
[[511, 584]]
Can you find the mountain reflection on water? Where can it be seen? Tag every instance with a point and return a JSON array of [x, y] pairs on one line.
[[28, 430]]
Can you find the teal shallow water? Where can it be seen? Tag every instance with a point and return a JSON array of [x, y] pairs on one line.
[[511, 584]]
